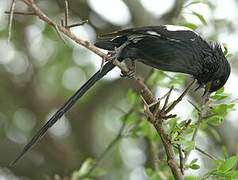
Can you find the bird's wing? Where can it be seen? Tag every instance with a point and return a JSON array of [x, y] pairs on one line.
[[170, 48], [166, 31], [167, 54]]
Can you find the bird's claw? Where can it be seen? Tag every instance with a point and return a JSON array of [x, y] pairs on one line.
[[153, 110], [131, 70], [128, 74]]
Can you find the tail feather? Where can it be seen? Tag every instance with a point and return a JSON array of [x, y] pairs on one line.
[[69, 103]]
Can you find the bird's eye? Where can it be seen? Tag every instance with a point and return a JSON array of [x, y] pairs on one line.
[[216, 82]]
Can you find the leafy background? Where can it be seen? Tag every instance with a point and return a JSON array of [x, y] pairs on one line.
[[38, 72]]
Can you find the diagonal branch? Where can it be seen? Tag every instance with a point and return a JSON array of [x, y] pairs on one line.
[[157, 122]]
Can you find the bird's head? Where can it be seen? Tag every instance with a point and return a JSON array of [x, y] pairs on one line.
[[219, 78]]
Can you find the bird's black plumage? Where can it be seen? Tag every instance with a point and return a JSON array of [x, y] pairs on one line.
[[157, 46], [172, 50]]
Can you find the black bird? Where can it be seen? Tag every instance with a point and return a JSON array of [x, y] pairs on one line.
[[169, 48]]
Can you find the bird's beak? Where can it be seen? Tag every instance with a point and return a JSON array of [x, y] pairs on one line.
[[207, 88]]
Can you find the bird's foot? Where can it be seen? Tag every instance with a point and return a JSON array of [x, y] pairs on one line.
[[114, 54], [158, 111], [131, 71], [129, 74], [154, 112]]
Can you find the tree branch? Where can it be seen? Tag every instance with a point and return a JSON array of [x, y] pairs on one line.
[[156, 117], [157, 122]]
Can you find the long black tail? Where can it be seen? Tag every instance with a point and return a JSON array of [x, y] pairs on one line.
[[69, 103]]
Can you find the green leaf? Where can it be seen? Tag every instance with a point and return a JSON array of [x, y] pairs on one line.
[[219, 95], [194, 166], [228, 164], [225, 49], [188, 145], [190, 25], [224, 151], [220, 91], [200, 17], [215, 120], [222, 109], [232, 174], [84, 169], [173, 124], [194, 161], [99, 172]]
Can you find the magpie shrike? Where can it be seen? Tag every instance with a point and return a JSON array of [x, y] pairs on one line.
[[169, 48]]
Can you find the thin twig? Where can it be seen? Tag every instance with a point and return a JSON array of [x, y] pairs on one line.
[[205, 153], [77, 24], [12, 8], [195, 106], [21, 13], [66, 13]]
